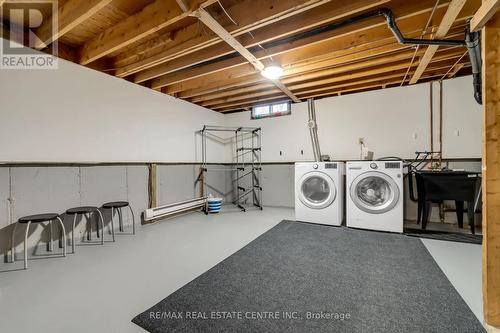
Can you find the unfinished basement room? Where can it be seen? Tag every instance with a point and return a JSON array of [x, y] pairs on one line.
[[250, 166]]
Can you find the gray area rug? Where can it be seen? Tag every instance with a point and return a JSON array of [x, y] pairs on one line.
[[301, 277]]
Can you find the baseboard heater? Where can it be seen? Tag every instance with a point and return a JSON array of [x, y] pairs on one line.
[[174, 209]]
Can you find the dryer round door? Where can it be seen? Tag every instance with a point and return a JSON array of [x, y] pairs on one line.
[[317, 190], [374, 192]]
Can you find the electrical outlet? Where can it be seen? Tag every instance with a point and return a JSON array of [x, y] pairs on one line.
[[361, 141]]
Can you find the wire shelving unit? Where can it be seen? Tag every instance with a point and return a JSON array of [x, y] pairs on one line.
[[247, 162]]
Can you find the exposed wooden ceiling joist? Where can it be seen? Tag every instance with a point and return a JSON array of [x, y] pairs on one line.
[[190, 39], [160, 45], [336, 59], [69, 15], [484, 14], [455, 70], [347, 37], [361, 85], [210, 22], [384, 65], [351, 58], [183, 5], [151, 19], [451, 15], [285, 27]]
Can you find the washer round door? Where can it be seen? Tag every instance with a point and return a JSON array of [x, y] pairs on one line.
[[374, 192], [317, 190]]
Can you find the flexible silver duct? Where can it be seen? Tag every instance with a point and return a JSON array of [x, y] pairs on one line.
[[313, 129]]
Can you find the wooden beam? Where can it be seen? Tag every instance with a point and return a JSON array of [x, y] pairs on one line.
[[246, 84], [383, 79], [147, 46], [189, 39], [455, 70], [335, 59], [152, 18], [491, 170], [383, 69], [378, 72], [152, 192], [329, 91], [451, 15], [389, 62], [342, 47], [312, 18], [343, 38], [279, 30], [211, 23], [183, 5], [301, 81], [69, 15], [484, 13], [381, 84], [219, 30], [64, 51], [337, 91]]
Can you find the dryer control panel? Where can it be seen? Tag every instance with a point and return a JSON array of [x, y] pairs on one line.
[[393, 165]]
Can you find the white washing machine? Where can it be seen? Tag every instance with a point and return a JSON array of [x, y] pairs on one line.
[[375, 195], [319, 192]]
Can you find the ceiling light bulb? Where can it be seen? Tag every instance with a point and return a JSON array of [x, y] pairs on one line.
[[272, 72]]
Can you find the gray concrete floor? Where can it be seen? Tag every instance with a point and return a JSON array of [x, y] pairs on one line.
[[101, 288]]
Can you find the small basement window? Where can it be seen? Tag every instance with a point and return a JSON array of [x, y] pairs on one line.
[[271, 110]]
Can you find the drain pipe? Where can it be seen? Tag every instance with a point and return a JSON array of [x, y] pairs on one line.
[[313, 129], [391, 23], [472, 40]]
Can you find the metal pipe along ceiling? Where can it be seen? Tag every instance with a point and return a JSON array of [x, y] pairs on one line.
[[471, 42]]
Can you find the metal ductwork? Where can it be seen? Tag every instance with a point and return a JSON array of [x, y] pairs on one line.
[[313, 129]]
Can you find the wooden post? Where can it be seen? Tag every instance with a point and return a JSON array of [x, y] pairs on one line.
[[491, 171], [202, 182], [152, 186]]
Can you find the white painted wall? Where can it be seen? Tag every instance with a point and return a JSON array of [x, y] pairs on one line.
[[75, 114], [393, 122], [462, 120]]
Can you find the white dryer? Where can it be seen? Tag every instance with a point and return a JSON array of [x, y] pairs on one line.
[[319, 192], [375, 195]]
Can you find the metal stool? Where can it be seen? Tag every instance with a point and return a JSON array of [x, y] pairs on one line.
[[118, 205], [86, 211], [40, 218]]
